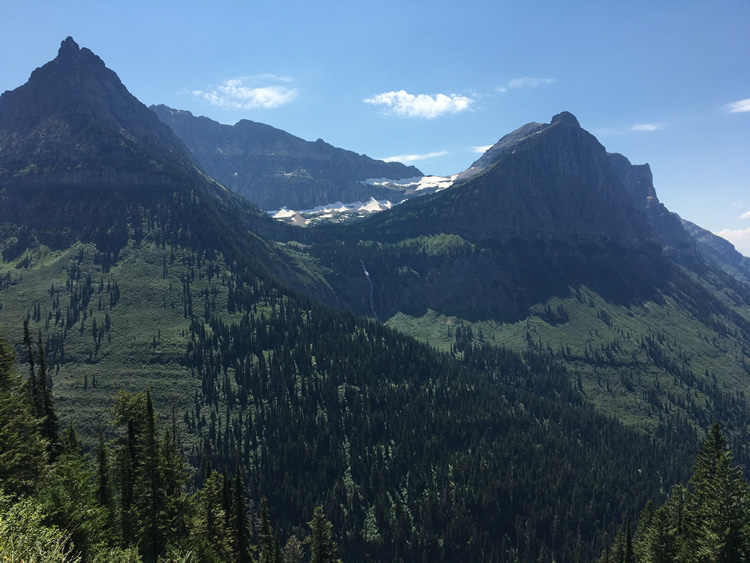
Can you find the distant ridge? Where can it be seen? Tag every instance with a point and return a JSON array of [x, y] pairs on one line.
[[273, 169]]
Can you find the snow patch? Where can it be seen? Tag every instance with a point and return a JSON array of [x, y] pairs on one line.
[[435, 183]]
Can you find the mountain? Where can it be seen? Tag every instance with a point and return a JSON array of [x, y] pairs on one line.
[[549, 214], [719, 251], [137, 271], [273, 169], [71, 138], [556, 246]]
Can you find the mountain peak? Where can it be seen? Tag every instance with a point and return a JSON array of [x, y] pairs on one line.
[[68, 47], [565, 117], [75, 123]]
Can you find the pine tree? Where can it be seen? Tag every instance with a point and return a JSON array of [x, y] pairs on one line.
[[69, 500], [660, 540], [210, 525], [240, 521], [22, 448], [103, 484], [50, 426], [322, 545], [265, 541], [151, 492], [34, 395], [718, 504]]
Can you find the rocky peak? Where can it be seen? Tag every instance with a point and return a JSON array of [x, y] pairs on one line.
[[68, 48], [75, 123], [565, 117]]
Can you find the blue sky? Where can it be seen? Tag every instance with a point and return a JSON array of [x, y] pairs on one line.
[[666, 82]]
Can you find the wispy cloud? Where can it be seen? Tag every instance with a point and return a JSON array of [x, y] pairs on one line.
[[250, 92], [526, 82], [421, 105], [647, 127], [636, 127], [738, 106], [414, 157], [739, 238], [481, 149], [745, 215]]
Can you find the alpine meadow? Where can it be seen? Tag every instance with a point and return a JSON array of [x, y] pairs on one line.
[[227, 343]]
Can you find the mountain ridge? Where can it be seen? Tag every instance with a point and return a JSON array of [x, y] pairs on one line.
[[273, 169]]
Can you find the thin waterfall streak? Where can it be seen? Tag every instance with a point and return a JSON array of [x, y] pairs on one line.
[[369, 279]]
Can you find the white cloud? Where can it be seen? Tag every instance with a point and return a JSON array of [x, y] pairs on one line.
[[739, 106], [481, 149], [739, 238], [414, 157], [422, 105], [250, 92], [745, 215], [647, 127], [526, 82]]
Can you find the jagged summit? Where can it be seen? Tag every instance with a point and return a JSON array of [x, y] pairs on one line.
[[68, 46], [74, 123], [565, 117]]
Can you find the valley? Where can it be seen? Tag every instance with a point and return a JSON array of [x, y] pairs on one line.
[[508, 368]]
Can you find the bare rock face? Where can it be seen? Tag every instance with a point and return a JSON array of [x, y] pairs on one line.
[[550, 182], [272, 168], [75, 124], [667, 226]]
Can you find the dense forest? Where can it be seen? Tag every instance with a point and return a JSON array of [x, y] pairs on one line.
[[127, 502], [135, 498]]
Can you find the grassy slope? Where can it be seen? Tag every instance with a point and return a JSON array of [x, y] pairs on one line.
[[146, 342], [604, 343]]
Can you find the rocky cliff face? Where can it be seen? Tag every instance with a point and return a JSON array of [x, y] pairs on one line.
[[273, 169], [719, 252], [556, 184], [73, 119], [667, 226], [507, 142]]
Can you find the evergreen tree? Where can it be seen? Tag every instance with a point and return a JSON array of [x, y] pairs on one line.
[[103, 484], [22, 448], [50, 426], [69, 500], [209, 528], [710, 522], [719, 504], [265, 541], [34, 394], [322, 544], [130, 412], [660, 546], [240, 521], [151, 497]]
